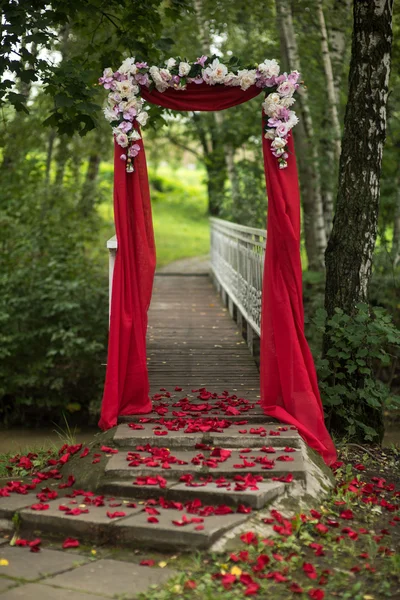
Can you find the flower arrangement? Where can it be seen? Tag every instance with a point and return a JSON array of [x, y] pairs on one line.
[[125, 108]]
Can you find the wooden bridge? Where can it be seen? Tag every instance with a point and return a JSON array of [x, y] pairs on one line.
[[203, 325]]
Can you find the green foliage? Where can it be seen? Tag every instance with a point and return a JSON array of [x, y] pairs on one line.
[[249, 184], [358, 345], [53, 293]]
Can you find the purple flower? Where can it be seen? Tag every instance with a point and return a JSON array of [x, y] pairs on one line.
[[125, 126], [176, 79], [130, 114], [280, 79], [283, 113], [274, 122], [201, 60], [142, 79], [141, 65], [293, 77], [133, 150]]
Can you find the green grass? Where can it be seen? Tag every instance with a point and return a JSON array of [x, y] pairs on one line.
[[179, 205]]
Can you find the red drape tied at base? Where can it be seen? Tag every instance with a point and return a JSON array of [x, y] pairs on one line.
[[126, 389], [289, 388]]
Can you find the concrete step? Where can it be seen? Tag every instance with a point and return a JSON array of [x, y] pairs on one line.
[[172, 464], [168, 432], [210, 493], [186, 528]]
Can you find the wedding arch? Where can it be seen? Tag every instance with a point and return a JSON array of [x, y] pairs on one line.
[[289, 389]]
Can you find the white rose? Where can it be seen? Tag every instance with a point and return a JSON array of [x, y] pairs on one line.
[[156, 77], [278, 143], [232, 80], [165, 75], [247, 78], [109, 114], [142, 118], [114, 99], [269, 68], [122, 139], [108, 73], [128, 67], [125, 88], [134, 135], [292, 120], [287, 101], [271, 104], [270, 134], [215, 72], [184, 69], [171, 62]]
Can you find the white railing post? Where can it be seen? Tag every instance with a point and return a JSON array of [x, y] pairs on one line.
[[237, 262], [112, 246]]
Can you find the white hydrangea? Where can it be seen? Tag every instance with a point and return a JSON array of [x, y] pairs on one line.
[[159, 82], [271, 104], [109, 114]]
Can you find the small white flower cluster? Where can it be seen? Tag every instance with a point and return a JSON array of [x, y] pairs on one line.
[[125, 106]]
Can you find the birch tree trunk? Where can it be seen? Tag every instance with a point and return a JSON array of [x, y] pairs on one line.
[[330, 85], [396, 228], [337, 26], [352, 242], [314, 224]]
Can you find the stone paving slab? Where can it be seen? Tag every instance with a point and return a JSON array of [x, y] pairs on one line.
[[166, 535], [29, 566], [92, 525], [5, 583], [109, 578], [126, 489], [37, 591], [10, 504]]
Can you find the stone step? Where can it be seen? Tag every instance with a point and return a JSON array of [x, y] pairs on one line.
[[190, 531], [181, 462], [233, 436], [209, 494]]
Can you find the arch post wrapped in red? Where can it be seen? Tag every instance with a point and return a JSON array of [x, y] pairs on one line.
[[289, 390]]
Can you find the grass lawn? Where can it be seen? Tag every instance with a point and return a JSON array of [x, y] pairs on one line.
[[179, 204]]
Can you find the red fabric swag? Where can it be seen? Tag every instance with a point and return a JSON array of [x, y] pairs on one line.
[[289, 389]]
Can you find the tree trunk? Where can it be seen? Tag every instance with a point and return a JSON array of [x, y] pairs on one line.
[[217, 163], [330, 86], [352, 242], [89, 185], [338, 15], [396, 228], [314, 233]]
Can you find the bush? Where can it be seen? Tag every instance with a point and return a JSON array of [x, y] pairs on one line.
[[354, 398]]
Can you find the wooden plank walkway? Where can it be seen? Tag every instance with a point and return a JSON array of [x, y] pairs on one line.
[[193, 342]]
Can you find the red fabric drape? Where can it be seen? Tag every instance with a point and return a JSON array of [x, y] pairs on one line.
[[289, 388], [126, 389]]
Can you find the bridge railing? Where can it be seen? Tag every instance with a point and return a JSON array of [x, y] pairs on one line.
[[237, 264]]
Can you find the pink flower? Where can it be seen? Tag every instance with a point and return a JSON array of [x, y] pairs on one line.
[[134, 150], [293, 77], [201, 60], [142, 79], [286, 89], [130, 114], [125, 126], [141, 65], [282, 129]]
